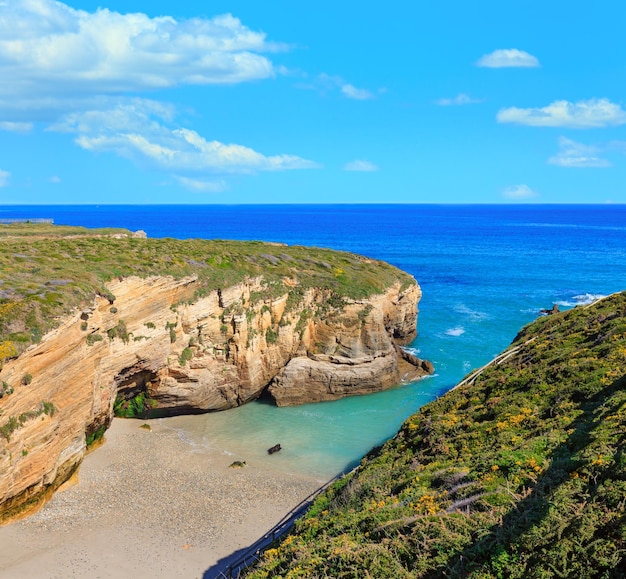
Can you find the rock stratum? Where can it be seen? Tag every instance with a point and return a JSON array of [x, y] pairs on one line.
[[182, 341]]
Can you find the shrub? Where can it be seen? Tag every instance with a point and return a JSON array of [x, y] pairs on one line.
[[185, 356], [91, 437], [120, 331], [27, 379], [271, 337], [5, 389], [93, 338], [140, 406], [8, 428]]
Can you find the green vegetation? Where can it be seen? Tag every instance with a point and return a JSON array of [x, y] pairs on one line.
[[95, 436], [5, 389], [520, 472], [93, 338], [138, 406], [185, 356], [120, 331], [13, 423], [271, 337], [27, 379], [49, 271]]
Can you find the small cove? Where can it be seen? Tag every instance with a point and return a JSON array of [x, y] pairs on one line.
[[485, 271]]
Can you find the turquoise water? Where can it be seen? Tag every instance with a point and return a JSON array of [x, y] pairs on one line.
[[485, 271], [320, 440]]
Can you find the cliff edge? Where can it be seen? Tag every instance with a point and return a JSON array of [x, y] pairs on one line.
[[222, 324]]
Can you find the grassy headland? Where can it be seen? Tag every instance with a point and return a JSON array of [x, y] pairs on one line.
[[521, 472], [48, 271]]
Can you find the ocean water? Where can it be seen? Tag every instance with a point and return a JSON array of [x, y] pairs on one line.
[[485, 271]]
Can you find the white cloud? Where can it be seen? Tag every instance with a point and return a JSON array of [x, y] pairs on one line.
[[201, 186], [508, 57], [460, 99], [15, 127], [4, 178], [519, 192], [573, 154], [592, 113], [360, 165], [74, 71], [55, 179], [327, 83], [135, 129], [356, 93], [48, 48]]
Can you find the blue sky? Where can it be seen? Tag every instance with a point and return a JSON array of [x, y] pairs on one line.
[[133, 101]]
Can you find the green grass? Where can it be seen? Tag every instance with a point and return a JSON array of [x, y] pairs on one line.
[[521, 473], [48, 271]]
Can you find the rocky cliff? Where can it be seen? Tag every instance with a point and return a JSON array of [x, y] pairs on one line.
[[163, 345]]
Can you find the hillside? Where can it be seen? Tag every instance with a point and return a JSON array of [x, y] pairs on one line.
[[519, 472]]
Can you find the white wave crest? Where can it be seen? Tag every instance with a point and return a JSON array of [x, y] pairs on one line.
[[474, 315], [413, 351], [455, 331], [581, 300]]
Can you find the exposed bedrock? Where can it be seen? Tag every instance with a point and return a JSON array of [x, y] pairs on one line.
[[190, 355]]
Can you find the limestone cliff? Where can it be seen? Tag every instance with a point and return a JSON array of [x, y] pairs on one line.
[[156, 338]]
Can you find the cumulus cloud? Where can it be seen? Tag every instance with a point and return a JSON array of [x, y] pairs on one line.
[[460, 99], [519, 192], [4, 178], [75, 70], [48, 48], [139, 130], [508, 57], [360, 165], [325, 83], [15, 127], [574, 154], [592, 113]]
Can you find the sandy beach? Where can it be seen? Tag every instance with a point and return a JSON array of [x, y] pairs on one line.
[[148, 505]]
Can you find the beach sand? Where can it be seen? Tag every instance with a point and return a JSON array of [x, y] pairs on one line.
[[149, 505]]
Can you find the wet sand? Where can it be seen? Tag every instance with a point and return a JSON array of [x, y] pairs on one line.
[[148, 505]]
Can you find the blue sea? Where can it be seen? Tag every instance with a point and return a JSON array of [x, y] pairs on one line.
[[485, 271]]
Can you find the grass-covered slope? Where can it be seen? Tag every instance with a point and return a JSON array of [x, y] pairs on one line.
[[48, 271], [519, 473]]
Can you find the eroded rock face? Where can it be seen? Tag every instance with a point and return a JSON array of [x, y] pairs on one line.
[[188, 355]]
